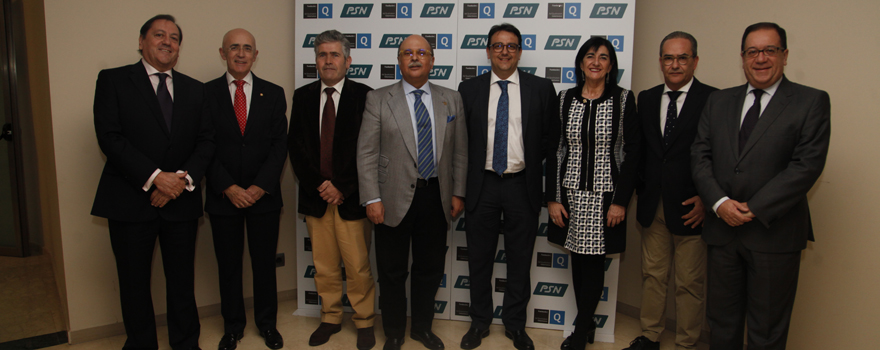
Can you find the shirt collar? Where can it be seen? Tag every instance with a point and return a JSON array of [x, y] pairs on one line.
[[769, 91], [338, 86], [513, 78], [249, 79], [684, 89], [152, 70], [408, 88]]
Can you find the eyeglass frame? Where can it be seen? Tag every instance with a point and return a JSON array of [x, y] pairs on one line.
[[679, 59], [776, 50], [499, 47], [421, 53]]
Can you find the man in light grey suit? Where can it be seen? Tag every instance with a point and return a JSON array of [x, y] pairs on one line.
[[759, 149], [412, 160]]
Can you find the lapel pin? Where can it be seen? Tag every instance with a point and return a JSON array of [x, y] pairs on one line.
[[261, 94], [444, 103]]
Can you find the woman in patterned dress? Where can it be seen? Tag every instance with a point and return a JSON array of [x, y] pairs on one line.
[[591, 179]]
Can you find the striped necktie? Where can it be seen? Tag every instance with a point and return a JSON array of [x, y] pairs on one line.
[[425, 144]]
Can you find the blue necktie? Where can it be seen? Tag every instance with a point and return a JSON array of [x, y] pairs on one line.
[[426, 147], [165, 102], [499, 152]]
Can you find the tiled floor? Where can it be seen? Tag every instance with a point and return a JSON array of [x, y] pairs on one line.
[[296, 331], [28, 298]]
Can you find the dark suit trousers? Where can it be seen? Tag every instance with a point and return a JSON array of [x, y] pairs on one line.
[[133, 245], [425, 225], [588, 280], [745, 283], [262, 240], [507, 197]]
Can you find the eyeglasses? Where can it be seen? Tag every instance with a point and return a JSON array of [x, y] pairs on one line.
[[498, 47], [410, 53], [682, 60], [769, 51]]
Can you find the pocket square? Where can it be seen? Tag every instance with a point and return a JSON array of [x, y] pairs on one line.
[[450, 118]]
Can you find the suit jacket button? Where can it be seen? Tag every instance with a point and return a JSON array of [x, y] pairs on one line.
[[412, 186], [415, 165], [736, 171]]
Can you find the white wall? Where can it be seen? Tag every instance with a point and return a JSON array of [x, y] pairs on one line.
[[84, 37]]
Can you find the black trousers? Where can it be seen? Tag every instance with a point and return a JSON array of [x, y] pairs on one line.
[[747, 284], [133, 245], [262, 241], [507, 197], [425, 226], [588, 280]]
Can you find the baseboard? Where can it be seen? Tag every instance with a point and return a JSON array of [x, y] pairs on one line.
[[634, 312], [110, 330]]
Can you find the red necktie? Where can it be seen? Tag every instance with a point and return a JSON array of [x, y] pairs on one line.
[[328, 125], [240, 105]]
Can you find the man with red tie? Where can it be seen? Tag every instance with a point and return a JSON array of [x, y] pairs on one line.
[[243, 186]]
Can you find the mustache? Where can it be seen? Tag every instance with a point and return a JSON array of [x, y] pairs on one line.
[[414, 64]]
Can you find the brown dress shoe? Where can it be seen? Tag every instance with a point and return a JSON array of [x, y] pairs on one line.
[[323, 333], [366, 338]]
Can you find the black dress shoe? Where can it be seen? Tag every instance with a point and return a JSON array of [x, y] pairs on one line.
[[273, 338], [428, 339], [366, 338], [323, 333], [521, 340], [643, 343], [393, 343], [473, 338], [229, 341]]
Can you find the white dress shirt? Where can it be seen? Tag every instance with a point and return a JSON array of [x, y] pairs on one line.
[[169, 83], [747, 104], [336, 95], [515, 155], [247, 88]]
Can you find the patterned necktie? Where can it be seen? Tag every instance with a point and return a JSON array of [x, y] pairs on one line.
[[499, 150], [426, 142], [328, 126], [671, 115], [240, 105], [750, 120], [166, 104]]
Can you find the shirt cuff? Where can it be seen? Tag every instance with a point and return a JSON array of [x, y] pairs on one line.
[[372, 201], [718, 204], [150, 180], [189, 182]]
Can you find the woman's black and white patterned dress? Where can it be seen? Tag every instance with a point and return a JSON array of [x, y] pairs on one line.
[[586, 221]]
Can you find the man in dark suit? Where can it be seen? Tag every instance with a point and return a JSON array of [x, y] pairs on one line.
[[760, 147], [509, 112], [243, 186], [324, 124], [152, 125], [669, 209], [412, 159]]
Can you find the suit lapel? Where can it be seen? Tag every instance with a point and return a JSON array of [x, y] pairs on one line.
[[688, 109], [734, 118], [481, 107], [774, 108], [400, 111], [142, 82], [439, 102], [227, 110], [652, 118], [525, 93], [256, 101]]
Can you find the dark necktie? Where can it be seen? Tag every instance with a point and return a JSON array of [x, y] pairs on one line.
[[750, 120], [240, 105], [671, 115], [166, 104], [426, 142], [499, 150], [328, 126]]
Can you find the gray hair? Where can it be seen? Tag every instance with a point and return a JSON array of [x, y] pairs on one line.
[[680, 35], [333, 36]]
